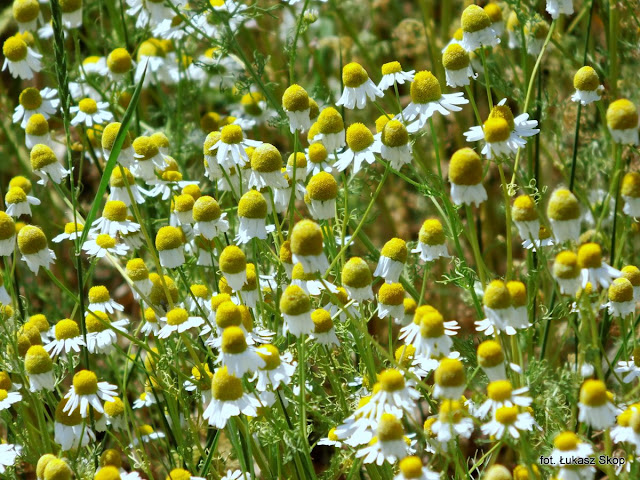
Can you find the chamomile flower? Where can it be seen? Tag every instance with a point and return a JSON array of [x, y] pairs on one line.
[[495, 14], [39, 368], [121, 183], [391, 301], [465, 176], [233, 265], [277, 370], [330, 130], [102, 244], [21, 60], [8, 455], [45, 165], [7, 235], [324, 331], [252, 213], [630, 193], [628, 427], [357, 279], [621, 302], [309, 282], [72, 231], [477, 29], [395, 146], [434, 338], [393, 256], [586, 82], [238, 357], [67, 338], [525, 216], [228, 399], [322, 190], [508, 421], [457, 66], [410, 307], [307, 247], [450, 379], [564, 214], [388, 444], [595, 407], [34, 248], [87, 391], [89, 112], [427, 98], [558, 7], [37, 131], [266, 165], [230, 148], [622, 120], [500, 394], [34, 101], [178, 320], [114, 414], [114, 220], [71, 13], [295, 306], [632, 273], [392, 74], [170, 246], [138, 273], [593, 269], [361, 148], [70, 430], [146, 434], [147, 158], [295, 103], [8, 398], [498, 307], [18, 202], [519, 302], [567, 272], [358, 87], [102, 332], [26, 14], [318, 159], [127, 152], [431, 241], [631, 368], [453, 421], [100, 301]]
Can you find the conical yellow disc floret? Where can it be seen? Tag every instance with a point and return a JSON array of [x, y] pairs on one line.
[[494, 12], [474, 19], [620, 290], [455, 57], [85, 382], [115, 211], [524, 209], [119, 61], [25, 11], [499, 390], [271, 356], [431, 232], [496, 295], [43, 461], [563, 206], [285, 254], [179, 474], [37, 360], [356, 273], [631, 273], [266, 158], [391, 68], [57, 469], [15, 195], [381, 121], [118, 180], [228, 314], [506, 415], [97, 322], [7, 226], [294, 301], [183, 203], [298, 159], [231, 134], [107, 473], [465, 167], [432, 325], [590, 255], [145, 147], [322, 187], [565, 265], [206, 209], [586, 79], [518, 293], [317, 153], [425, 88], [137, 270], [321, 320], [306, 238], [99, 294], [69, 6], [40, 321], [177, 316], [66, 329], [394, 134], [593, 393], [41, 156], [295, 99], [109, 135], [31, 240], [37, 125], [105, 241], [359, 137], [353, 75], [330, 121], [622, 115], [391, 294], [252, 205], [30, 98], [496, 130], [233, 340], [490, 354], [168, 238], [566, 441], [20, 182], [404, 355], [226, 387], [631, 185], [390, 428], [505, 113], [450, 373], [497, 472], [232, 260], [395, 249]]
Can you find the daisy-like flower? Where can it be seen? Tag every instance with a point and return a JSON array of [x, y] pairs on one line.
[[508, 421], [37, 131], [558, 7], [324, 331], [630, 192], [434, 338], [89, 112], [503, 133], [393, 256], [119, 63], [525, 216], [564, 214], [309, 282], [151, 325], [495, 14], [7, 236], [295, 306], [595, 406], [233, 265], [357, 279], [102, 332], [114, 220], [358, 87], [457, 66], [34, 248], [34, 101], [500, 394], [330, 130], [452, 422], [450, 379], [146, 434], [621, 302], [392, 74], [593, 269], [151, 57], [536, 31], [102, 244], [87, 391], [628, 427], [20, 59], [170, 246], [108, 140], [238, 357], [322, 191], [361, 148], [391, 301], [427, 98], [70, 429], [100, 301], [67, 338], [118, 182], [587, 84], [632, 273], [230, 148], [45, 165], [8, 455], [567, 272], [431, 241], [182, 474], [568, 446], [39, 368], [276, 370], [622, 120], [295, 103], [477, 29], [266, 165], [138, 273], [18, 202], [228, 399], [252, 212], [513, 30], [26, 14], [114, 414], [307, 247], [71, 13], [389, 443], [317, 159], [147, 158], [395, 146], [519, 303], [178, 320], [394, 395], [8, 398], [498, 307], [465, 176]]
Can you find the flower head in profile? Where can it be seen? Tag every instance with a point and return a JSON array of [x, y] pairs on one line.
[[34, 248], [587, 85], [45, 165], [477, 29], [228, 399], [465, 176], [307, 247], [33, 101], [392, 74], [178, 321], [595, 406], [295, 102], [330, 131], [87, 391], [593, 269], [21, 60], [622, 120], [89, 112], [358, 87], [563, 211], [457, 66]]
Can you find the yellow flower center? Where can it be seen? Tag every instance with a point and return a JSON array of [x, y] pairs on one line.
[[69, 6], [494, 12], [31, 240], [177, 316], [455, 57], [105, 241], [496, 130], [518, 293], [57, 469], [252, 205], [179, 473], [295, 99], [7, 226], [232, 260], [359, 137], [353, 75], [25, 10], [593, 393], [390, 428], [620, 290], [465, 167], [498, 472], [450, 373], [266, 158], [37, 360], [317, 153], [109, 136], [395, 249], [306, 238], [271, 356], [431, 232], [497, 296], [97, 322], [590, 256], [524, 209], [30, 98], [322, 321], [391, 67], [586, 79], [114, 408], [631, 273], [66, 329], [37, 125], [432, 325], [226, 387], [107, 473], [391, 294], [15, 195], [233, 340], [411, 467], [85, 382], [507, 415], [404, 355], [322, 187], [356, 273], [41, 156], [88, 105], [146, 147], [504, 112], [631, 185], [168, 238], [330, 121], [474, 19], [15, 49], [137, 270], [566, 441], [231, 134], [294, 301], [119, 61], [622, 115], [500, 390], [425, 88], [115, 211], [99, 294]]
